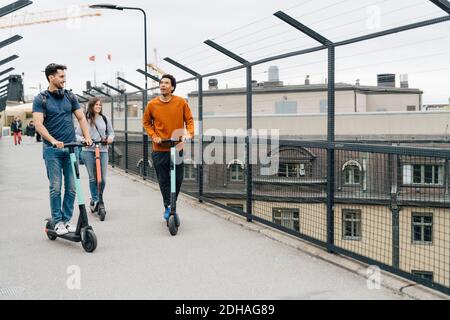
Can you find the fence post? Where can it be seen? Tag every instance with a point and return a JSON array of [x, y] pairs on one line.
[[330, 148], [200, 138], [249, 141], [144, 136], [126, 131], [112, 124]]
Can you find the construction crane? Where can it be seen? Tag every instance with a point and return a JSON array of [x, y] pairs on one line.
[[156, 68], [32, 18]]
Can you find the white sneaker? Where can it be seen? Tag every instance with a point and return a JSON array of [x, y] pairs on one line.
[[60, 229], [93, 206], [70, 227]]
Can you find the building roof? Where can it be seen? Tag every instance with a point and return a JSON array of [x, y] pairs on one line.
[[307, 88], [25, 107]]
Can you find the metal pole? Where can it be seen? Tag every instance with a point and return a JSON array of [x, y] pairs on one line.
[[144, 102], [126, 132], [330, 148], [200, 138], [249, 144], [112, 124]]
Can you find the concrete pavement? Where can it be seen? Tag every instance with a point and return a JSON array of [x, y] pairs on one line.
[[136, 258]]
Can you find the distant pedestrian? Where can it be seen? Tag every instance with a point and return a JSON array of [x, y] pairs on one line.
[[30, 131], [16, 129]]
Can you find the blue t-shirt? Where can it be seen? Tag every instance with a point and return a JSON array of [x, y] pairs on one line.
[[58, 115]]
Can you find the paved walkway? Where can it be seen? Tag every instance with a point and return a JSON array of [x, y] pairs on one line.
[[136, 258]]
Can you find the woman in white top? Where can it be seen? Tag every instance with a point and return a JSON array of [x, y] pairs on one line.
[[100, 128]]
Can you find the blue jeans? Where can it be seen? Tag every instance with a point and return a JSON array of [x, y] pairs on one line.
[[89, 162], [57, 162]]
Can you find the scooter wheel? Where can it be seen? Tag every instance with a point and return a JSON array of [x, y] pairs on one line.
[[102, 214], [49, 226], [173, 229], [90, 241], [177, 220]]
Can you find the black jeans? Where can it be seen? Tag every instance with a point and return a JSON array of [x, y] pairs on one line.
[[161, 163]]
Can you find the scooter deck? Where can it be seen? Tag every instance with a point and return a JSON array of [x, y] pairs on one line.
[[69, 236]]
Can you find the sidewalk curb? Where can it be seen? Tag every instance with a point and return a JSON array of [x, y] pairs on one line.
[[389, 281]]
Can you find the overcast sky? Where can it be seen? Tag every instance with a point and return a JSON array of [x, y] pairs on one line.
[[177, 29]]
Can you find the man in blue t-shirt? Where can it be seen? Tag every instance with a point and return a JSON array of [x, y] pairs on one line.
[[52, 115]]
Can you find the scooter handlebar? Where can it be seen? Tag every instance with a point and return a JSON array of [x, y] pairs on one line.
[[103, 142], [170, 140], [72, 145], [82, 144]]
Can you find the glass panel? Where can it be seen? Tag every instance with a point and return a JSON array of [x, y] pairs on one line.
[[417, 233], [417, 219], [428, 234], [356, 175], [428, 174], [348, 229], [417, 174], [428, 219]]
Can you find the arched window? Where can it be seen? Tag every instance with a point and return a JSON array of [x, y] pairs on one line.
[[352, 173], [236, 170]]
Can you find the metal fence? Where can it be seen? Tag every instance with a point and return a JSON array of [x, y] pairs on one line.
[[382, 205]]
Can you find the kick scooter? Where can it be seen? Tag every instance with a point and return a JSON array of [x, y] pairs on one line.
[[100, 206], [84, 232], [174, 220]]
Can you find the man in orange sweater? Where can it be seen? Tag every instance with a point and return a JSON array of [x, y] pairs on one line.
[[167, 116]]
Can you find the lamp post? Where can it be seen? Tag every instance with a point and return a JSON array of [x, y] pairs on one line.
[[116, 7], [144, 98]]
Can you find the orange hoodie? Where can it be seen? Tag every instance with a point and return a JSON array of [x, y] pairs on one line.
[[161, 119]]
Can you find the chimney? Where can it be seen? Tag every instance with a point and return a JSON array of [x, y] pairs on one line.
[[88, 86], [404, 81], [213, 84], [307, 82], [274, 75]]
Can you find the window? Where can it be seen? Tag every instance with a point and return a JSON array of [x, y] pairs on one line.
[[286, 107], [410, 108], [352, 173], [425, 174], [351, 224], [427, 275], [291, 170], [236, 170], [237, 206], [286, 217], [422, 228]]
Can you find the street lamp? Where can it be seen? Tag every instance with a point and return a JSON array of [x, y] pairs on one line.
[[116, 7], [144, 98]]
